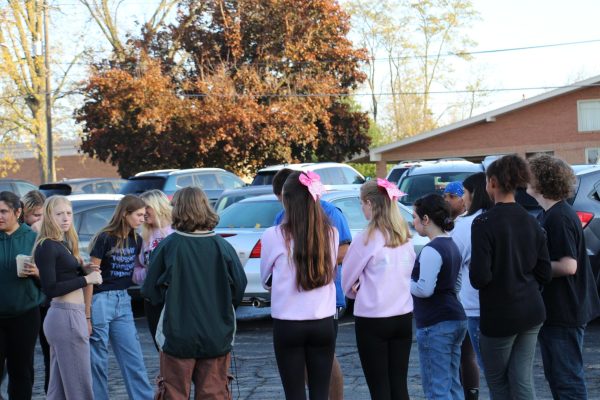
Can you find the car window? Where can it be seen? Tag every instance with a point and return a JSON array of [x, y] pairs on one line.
[[395, 174], [351, 209], [254, 214], [231, 182], [23, 188], [207, 181], [142, 184], [89, 188], [93, 220], [104, 187], [7, 187], [352, 177], [184, 181], [332, 176], [226, 201], [416, 186], [263, 178]]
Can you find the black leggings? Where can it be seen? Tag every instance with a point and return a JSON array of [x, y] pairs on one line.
[[384, 349], [45, 346], [17, 344], [304, 343]]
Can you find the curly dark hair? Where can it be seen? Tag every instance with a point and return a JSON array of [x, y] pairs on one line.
[[511, 172], [552, 177]]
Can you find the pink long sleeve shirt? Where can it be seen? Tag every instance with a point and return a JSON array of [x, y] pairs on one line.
[[383, 273], [287, 302]]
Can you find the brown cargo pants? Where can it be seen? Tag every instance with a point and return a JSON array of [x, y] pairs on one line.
[[210, 376]]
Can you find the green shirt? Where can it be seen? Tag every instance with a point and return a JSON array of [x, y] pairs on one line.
[[17, 295], [199, 278]]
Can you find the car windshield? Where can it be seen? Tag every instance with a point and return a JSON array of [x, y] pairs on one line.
[[416, 186], [396, 174], [263, 178], [142, 184], [253, 214]]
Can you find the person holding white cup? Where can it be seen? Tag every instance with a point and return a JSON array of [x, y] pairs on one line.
[[20, 299], [63, 277]]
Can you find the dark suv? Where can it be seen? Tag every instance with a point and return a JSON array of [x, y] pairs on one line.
[[433, 177]]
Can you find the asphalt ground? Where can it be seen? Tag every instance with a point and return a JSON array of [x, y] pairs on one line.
[[255, 369]]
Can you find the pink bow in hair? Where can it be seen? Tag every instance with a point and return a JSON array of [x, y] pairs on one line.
[[392, 190], [313, 182]]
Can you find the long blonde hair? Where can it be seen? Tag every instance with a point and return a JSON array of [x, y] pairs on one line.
[[50, 229], [159, 203], [385, 216], [118, 226]]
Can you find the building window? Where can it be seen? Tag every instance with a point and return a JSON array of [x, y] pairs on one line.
[[592, 156], [588, 115], [535, 153]]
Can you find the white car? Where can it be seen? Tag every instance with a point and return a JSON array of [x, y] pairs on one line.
[[334, 176], [243, 223]]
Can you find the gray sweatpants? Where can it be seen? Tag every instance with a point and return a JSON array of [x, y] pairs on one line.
[[70, 368]]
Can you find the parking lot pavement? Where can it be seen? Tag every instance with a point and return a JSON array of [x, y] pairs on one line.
[[254, 366]]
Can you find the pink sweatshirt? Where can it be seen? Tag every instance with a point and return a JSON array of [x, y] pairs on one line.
[[287, 302], [383, 273]]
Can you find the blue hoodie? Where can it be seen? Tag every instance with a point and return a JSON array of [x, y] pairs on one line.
[[17, 295]]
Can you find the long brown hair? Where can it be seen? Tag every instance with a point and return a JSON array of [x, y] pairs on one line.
[[308, 228], [50, 229], [385, 216], [118, 226]]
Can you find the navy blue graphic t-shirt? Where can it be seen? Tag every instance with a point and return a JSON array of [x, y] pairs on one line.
[[117, 263]]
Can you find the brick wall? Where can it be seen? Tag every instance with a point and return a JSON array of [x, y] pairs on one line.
[[67, 167], [546, 126]]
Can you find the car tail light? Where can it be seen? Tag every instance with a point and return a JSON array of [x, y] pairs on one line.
[[226, 235], [585, 218], [255, 253]]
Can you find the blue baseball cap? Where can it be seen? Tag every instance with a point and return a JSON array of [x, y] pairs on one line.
[[454, 188]]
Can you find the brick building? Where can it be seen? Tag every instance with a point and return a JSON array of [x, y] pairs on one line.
[[564, 122], [69, 163]]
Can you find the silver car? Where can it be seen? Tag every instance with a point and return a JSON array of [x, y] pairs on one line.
[[243, 223]]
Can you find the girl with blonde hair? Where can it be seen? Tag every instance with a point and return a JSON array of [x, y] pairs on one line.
[[115, 249], [377, 269], [156, 227], [57, 257]]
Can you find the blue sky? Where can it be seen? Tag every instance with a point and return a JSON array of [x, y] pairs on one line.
[[519, 23]]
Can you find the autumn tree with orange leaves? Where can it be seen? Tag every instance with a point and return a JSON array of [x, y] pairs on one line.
[[232, 84]]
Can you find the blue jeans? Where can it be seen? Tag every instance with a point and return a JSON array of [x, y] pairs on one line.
[[112, 320], [474, 334], [562, 350], [439, 356], [508, 364]]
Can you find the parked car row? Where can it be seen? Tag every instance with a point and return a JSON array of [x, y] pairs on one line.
[[243, 223]]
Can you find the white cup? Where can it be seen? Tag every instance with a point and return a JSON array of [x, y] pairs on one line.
[[21, 260]]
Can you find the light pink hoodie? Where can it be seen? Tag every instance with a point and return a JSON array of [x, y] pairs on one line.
[[383, 273], [287, 302]]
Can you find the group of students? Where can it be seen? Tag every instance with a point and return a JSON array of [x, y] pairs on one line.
[[490, 283], [86, 306]]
